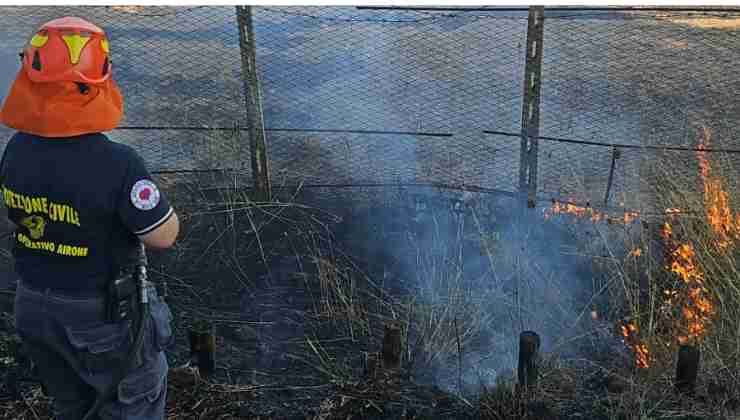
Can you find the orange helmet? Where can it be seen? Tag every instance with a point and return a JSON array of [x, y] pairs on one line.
[[68, 49]]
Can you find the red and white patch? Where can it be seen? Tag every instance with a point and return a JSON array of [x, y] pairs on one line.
[[144, 195]]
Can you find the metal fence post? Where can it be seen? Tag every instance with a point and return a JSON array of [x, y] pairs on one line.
[[531, 105], [615, 155], [253, 97]]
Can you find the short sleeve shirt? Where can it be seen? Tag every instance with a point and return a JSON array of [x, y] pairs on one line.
[[78, 204], [141, 205]]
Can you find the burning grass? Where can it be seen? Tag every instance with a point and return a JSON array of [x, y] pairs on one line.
[[690, 298], [677, 285], [682, 308], [590, 213], [692, 267], [724, 225]]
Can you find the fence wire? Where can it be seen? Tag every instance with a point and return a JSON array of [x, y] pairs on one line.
[[340, 68], [637, 79], [384, 97]]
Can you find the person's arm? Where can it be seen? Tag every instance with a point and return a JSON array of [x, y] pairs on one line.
[[164, 236], [144, 209]]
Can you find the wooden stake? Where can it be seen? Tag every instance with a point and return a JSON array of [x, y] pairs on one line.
[[687, 369], [372, 362], [392, 346], [207, 354], [203, 351], [194, 340], [529, 345]]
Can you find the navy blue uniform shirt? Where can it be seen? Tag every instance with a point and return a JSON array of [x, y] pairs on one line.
[[78, 204]]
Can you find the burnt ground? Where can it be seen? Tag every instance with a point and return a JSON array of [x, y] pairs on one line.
[[288, 343], [298, 293]]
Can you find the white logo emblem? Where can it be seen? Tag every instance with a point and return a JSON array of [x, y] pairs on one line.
[[145, 195]]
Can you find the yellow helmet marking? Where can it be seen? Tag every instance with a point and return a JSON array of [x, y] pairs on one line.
[[75, 43], [104, 44], [39, 41]]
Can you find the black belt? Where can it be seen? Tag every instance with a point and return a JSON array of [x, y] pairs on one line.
[[64, 293], [120, 303]]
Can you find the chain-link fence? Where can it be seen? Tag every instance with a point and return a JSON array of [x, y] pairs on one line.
[[364, 97], [639, 79], [440, 80]]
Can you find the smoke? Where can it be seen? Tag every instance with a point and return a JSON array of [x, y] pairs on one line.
[[480, 269]]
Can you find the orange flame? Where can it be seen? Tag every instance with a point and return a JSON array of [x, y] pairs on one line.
[[589, 212], [643, 356], [724, 225], [693, 298], [642, 353], [697, 308], [694, 301], [667, 231]]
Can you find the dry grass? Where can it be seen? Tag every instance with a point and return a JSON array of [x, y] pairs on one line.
[[639, 271], [673, 296], [454, 321], [727, 24]]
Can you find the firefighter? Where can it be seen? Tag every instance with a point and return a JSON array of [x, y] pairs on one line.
[[81, 204]]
